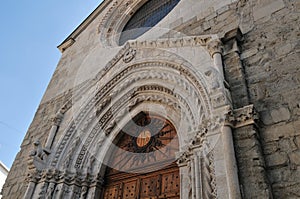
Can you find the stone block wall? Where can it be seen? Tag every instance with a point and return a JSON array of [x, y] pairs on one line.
[[263, 70]]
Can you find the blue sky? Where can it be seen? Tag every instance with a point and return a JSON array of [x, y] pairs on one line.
[[30, 32]]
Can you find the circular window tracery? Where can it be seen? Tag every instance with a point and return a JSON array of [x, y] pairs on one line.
[[146, 17]]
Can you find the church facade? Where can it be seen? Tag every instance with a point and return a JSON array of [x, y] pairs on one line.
[[170, 99]]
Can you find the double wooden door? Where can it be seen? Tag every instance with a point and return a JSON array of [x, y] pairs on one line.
[[163, 184]]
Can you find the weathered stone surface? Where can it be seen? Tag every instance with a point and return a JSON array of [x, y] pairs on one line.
[[295, 157], [278, 131], [277, 160], [261, 67], [281, 114], [265, 8]]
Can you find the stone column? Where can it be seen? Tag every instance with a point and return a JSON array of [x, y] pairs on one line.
[[56, 122], [215, 48], [197, 167], [96, 188], [249, 154], [230, 163], [29, 191], [186, 170]]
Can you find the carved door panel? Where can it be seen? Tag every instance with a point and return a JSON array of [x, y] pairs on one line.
[[162, 184], [142, 166]]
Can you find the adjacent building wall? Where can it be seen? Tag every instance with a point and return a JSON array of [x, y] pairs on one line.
[[3, 175]]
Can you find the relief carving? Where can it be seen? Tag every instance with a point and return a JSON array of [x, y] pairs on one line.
[[198, 154], [241, 117], [129, 55], [50, 191], [84, 192], [38, 151], [69, 158]]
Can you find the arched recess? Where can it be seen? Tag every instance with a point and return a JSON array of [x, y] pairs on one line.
[[166, 84], [171, 90]]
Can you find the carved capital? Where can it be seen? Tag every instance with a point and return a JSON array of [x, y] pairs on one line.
[[245, 116], [215, 46], [57, 119], [183, 158], [97, 181], [241, 117], [229, 118], [199, 137], [34, 176]]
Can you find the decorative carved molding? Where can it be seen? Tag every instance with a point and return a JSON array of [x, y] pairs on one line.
[[173, 42], [198, 151], [114, 20], [104, 90], [162, 98], [54, 183], [208, 171]]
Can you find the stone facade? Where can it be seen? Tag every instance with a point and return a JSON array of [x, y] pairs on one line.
[[226, 73]]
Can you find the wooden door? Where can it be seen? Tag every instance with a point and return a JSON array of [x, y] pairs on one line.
[[143, 165]]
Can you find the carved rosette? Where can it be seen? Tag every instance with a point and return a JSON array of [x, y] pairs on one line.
[[129, 55]]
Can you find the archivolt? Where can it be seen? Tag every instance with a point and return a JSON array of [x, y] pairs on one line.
[[171, 84]]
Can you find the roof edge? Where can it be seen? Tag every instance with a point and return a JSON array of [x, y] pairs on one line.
[[71, 38], [4, 167]]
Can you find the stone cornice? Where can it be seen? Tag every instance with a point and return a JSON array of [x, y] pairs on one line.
[[66, 44]]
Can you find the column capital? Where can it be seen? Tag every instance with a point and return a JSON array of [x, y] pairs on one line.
[[215, 46], [57, 119], [241, 117]]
